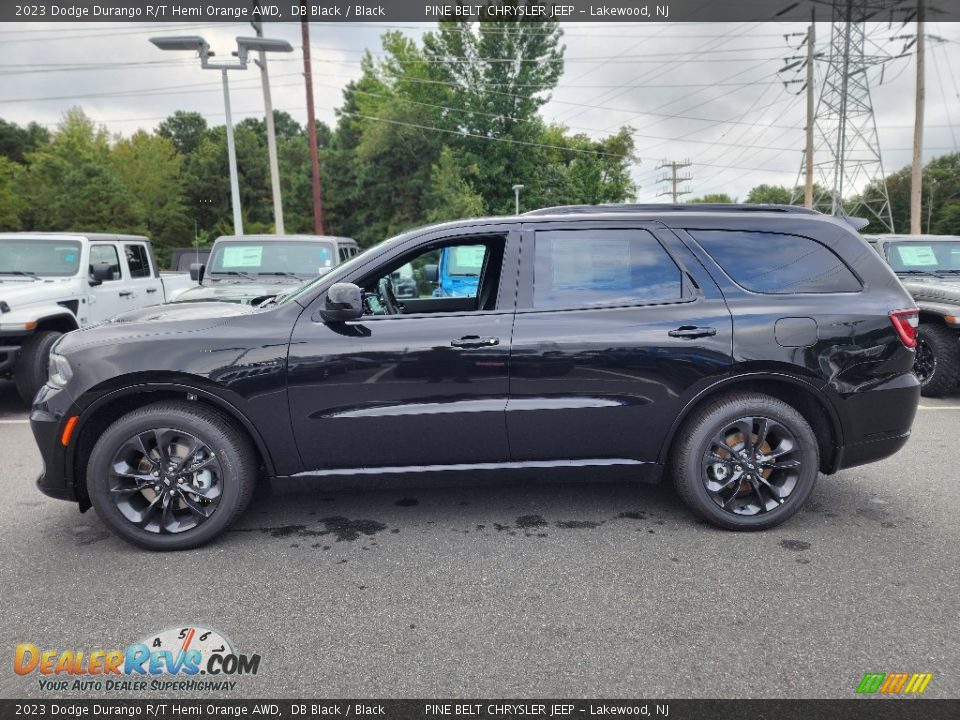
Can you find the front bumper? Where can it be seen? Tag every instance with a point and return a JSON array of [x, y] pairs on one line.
[[51, 408]]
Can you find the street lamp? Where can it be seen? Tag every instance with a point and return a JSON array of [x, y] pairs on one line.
[[245, 45], [516, 190]]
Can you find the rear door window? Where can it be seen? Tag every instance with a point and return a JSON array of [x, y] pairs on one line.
[[592, 268], [137, 261], [779, 264]]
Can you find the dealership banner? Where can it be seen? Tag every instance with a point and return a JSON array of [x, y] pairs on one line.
[[487, 709], [892, 11]]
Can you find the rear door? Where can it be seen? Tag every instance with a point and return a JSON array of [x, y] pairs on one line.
[[617, 327]]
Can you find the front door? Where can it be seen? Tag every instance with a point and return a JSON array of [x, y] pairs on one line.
[[619, 328], [113, 296], [418, 380]]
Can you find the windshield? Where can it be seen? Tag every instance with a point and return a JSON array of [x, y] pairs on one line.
[[272, 257], [39, 256], [342, 269], [464, 259], [935, 256]]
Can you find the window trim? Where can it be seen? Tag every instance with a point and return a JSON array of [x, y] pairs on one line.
[[819, 293], [688, 293]]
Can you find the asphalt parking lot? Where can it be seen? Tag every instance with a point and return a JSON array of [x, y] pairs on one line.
[[549, 590]]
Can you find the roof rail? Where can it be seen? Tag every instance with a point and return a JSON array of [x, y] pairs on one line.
[[667, 207]]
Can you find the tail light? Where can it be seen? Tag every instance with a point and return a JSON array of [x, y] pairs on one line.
[[906, 322]]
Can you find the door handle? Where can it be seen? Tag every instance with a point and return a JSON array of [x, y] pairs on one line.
[[151, 290], [125, 293], [689, 332], [475, 341]]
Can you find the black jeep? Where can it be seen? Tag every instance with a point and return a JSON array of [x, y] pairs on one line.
[[739, 350]]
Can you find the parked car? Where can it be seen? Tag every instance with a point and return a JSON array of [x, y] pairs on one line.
[[182, 258], [252, 268], [52, 283], [457, 274], [738, 350], [929, 267]]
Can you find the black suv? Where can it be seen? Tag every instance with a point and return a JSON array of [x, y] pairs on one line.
[[738, 349]]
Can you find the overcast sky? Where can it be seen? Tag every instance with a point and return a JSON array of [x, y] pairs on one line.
[[704, 92]]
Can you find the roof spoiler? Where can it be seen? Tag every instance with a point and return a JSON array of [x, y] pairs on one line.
[[857, 223]]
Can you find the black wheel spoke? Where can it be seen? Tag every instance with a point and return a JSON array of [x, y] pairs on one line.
[[166, 481], [750, 465]]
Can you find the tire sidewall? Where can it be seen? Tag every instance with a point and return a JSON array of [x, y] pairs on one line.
[[32, 366], [806, 481], [98, 482]]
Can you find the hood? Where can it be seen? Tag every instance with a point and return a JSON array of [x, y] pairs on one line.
[[16, 290], [232, 292], [933, 289], [174, 312]]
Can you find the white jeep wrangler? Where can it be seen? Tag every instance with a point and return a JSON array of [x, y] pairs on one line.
[[52, 283]]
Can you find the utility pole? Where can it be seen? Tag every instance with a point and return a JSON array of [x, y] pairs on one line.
[[312, 128], [673, 178], [271, 136], [916, 175], [811, 43]]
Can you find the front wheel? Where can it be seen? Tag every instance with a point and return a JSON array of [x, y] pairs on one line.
[[30, 374], [171, 476], [745, 461]]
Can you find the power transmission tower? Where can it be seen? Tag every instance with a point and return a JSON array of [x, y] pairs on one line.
[[673, 178], [846, 151]]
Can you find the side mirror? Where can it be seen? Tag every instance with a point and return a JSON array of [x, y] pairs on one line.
[[431, 273], [344, 302], [100, 273], [197, 271]]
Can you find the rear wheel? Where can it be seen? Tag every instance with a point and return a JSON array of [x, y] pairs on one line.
[[171, 476], [745, 461], [937, 362], [30, 373]]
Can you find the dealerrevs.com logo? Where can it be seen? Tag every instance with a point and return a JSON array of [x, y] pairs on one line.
[[894, 683], [171, 660]]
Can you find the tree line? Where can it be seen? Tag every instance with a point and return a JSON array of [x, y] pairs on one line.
[[435, 129]]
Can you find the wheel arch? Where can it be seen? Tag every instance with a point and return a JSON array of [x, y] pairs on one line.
[[62, 322], [806, 398], [104, 411]]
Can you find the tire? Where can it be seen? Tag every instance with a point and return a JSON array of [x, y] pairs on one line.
[[30, 373], [938, 360], [783, 490], [227, 460]]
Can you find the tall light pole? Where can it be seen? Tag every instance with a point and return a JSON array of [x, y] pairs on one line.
[[244, 46], [271, 135], [516, 192]]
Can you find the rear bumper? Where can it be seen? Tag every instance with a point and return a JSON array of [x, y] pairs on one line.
[[878, 421]]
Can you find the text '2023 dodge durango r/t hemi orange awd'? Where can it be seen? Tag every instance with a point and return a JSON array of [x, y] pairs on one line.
[[739, 351]]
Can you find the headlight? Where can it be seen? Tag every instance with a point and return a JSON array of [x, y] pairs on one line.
[[59, 370]]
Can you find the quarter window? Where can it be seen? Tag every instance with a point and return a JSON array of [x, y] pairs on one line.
[[586, 268], [106, 255], [137, 261], [778, 264]]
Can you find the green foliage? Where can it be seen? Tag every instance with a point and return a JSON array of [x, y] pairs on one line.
[[12, 203], [769, 195], [940, 191], [712, 198], [432, 130]]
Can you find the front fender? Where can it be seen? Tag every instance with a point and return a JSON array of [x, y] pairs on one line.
[[28, 318]]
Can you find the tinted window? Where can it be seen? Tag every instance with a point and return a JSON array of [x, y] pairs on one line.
[[344, 253], [582, 268], [106, 254], [774, 263], [137, 261]]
